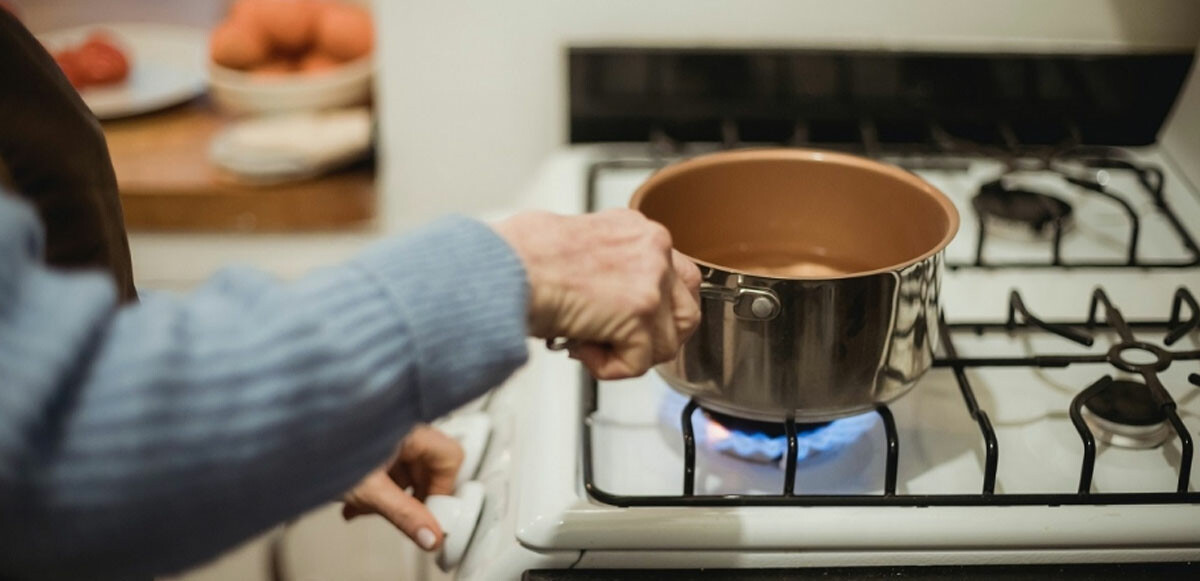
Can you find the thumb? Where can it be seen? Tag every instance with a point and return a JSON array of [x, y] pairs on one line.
[[406, 513]]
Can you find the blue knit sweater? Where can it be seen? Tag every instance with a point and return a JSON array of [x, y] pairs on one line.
[[143, 439]]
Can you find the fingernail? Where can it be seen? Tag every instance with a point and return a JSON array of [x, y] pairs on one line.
[[426, 539]]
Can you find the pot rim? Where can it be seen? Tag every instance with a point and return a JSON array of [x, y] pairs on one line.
[[821, 156]]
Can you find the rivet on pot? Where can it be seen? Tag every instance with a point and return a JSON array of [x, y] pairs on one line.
[[762, 307]]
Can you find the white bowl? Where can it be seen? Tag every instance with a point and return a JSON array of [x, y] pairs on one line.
[[243, 92]]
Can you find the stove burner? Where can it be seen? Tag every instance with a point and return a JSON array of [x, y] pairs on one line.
[[766, 442], [769, 429], [1032, 212], [1124, 414]]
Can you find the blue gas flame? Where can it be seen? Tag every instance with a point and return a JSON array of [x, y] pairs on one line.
[[761, 447]]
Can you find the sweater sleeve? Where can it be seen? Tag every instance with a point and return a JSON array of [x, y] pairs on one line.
[[143, 439]]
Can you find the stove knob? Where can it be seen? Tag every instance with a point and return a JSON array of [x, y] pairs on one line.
[[457, 515]]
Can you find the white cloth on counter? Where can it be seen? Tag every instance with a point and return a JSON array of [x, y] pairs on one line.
[[293, 146]]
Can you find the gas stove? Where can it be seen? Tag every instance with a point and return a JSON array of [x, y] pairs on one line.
[[1055, 428], [1118, 231]]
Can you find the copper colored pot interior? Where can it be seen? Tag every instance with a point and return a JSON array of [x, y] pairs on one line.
[[792, 213]]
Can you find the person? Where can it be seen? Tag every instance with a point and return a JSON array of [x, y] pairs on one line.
[[142, 436]]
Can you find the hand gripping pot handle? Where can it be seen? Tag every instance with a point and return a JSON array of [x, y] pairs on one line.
[[753, 303]]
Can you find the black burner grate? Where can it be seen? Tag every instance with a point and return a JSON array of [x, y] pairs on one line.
[[1101, 313], [1150, 180]]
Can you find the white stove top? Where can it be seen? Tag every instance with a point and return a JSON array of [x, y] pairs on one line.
[[639, 447], [539, 511]]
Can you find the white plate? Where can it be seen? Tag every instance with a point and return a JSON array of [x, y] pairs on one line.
[[168, 65]]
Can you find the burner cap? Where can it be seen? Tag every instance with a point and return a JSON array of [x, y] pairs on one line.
[[1124, 414], [1126, 402], [769, 429], [1035, 210]]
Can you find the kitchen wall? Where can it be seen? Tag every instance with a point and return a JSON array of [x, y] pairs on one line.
[[1181, 134], [473, 98]]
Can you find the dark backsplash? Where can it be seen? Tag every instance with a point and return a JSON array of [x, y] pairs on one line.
[[830, 97]]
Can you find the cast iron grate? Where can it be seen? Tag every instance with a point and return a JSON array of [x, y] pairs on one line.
[[1150, 180], [1101, 314]]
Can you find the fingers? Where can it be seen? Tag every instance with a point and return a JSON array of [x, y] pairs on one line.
[[660, 319], [676, 304], [666, 331], [688, 274], [432, 459], [608, 362], [428, 460], [380, 495], [609, 282], [685, 296]]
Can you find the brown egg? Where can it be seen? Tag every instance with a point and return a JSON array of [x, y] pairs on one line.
[[238, 44], [344, 31], [290, 24], [245, 9], [316, 62]]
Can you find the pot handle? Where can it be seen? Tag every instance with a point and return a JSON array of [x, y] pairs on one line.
[[753, 303]]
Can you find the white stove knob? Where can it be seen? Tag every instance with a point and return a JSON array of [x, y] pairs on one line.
[[457, 515], [472, 431]]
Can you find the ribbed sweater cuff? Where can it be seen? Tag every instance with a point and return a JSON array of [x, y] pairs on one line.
[[464, 292]]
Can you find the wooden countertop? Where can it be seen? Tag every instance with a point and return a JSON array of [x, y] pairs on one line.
[[167, 182]]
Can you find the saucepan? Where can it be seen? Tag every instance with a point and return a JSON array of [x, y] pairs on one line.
[[821, 279]]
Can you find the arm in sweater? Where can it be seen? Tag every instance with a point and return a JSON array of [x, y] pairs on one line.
[[143, 439]]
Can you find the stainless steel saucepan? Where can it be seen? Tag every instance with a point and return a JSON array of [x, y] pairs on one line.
[[821, 279]]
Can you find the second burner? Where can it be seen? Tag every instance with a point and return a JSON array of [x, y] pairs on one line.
[[1123, 413], [1021, 211]]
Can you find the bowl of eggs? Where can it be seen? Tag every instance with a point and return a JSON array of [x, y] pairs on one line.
[[273, 56]]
